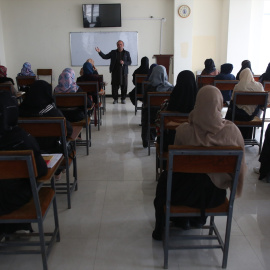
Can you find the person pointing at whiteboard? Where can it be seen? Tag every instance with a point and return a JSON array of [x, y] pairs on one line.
[[120, 60]]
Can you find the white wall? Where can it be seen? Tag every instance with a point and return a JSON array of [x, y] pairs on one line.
[[207, 33], [2, 49], [183, 29], [37, 31]]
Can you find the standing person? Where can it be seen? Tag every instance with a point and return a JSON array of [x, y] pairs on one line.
[[120, 60]]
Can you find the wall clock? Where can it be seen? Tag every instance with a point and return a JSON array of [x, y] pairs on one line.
[[184, 11]]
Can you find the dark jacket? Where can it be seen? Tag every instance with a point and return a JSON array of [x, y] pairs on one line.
[[113, 55]]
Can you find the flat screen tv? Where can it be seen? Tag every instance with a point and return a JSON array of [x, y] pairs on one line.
[[101, 15]]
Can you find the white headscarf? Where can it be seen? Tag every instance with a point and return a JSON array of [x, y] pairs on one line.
[[247, 84], [206, 127]]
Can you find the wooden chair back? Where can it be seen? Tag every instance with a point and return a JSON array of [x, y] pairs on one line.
[[266, 85], [251, 98], [70, 100], [25, 80], [203, 80], [168, 121], [256, 77], [44, 72], [225, 84], [193, 159], [154, 100], [139, 79], [53, 127], [34, 211]]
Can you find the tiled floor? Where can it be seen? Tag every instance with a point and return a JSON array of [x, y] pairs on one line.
[[111, 220]]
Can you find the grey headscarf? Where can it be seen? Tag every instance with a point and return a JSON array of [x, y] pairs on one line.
[[159, 79]]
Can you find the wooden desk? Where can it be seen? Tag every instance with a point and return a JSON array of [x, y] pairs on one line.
[[51, 171], [76, 132]]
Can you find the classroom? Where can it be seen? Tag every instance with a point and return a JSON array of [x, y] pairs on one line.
[[111, 220]]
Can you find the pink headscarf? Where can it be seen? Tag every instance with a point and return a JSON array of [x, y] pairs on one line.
[[3, 71]]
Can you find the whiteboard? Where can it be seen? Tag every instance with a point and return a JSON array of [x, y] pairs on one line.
[[82, 46]]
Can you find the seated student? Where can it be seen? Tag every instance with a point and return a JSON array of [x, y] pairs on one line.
[[225, 74], [142, 69], [26, 71], [182, 99], [210, 68], [90, 75], [17, 192], [245, 112], [150, 71], [67, 84], [38, 102], [205, 128], [6, 80], [264, 169], [245, 64], [266, 75], [91, 61], [158, 82]]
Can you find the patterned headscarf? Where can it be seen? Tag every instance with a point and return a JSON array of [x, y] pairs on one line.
[[66, 82], [26, 70], [3, 71]]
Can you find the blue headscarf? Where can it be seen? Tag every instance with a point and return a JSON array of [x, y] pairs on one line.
[[88, 68]]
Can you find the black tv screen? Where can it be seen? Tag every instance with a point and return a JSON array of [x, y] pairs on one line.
[[101, 15]]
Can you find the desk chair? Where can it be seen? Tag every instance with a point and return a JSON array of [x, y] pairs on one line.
[[68, 101], [92, 89], [8, 87], [251, 98], [266, 85], [102, 94], [203, 80], [168, 121], [55, 127], [256, 77], [225, 86], [23, 82], [44, 72], [34, 211], [154, 100], [192, 159], [139, 79]]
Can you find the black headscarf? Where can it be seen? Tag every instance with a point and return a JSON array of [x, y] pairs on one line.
[[209, 65], [183, 96], [9, 112], [144, 67], [245, 64], [37, 98], [265, 76]]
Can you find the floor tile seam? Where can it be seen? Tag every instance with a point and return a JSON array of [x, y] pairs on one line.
[[254, 251]]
